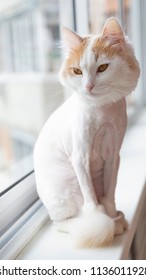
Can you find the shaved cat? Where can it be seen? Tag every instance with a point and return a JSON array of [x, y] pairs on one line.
[[76, 156]]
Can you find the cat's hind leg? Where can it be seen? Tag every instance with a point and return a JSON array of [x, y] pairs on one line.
[[62, 202]]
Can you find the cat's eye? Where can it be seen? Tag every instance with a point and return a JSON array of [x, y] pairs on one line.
[[77, 71], [102, 67]]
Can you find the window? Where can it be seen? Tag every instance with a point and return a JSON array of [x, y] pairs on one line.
[[99, 11], [29, 92], [30, 59]]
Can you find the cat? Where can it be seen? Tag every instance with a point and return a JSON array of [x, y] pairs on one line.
[[76, 156]]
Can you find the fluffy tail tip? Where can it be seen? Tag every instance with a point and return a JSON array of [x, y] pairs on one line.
[[91, 229]]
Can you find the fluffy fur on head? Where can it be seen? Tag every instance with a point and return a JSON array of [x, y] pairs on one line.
[[101, 68]]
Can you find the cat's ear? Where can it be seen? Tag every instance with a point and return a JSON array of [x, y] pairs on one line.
[[113, 30], [70, 39]]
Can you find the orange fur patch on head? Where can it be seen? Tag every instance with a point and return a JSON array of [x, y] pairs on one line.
[[129, 56], [104, 46], [115, 46], [76, 53]]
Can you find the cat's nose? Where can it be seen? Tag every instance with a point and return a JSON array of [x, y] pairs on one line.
[[90, 85]]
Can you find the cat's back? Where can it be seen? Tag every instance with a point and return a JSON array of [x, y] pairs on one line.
[[56, 129], [62, 115]]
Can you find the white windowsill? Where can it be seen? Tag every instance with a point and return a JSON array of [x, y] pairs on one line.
[[50, 244]]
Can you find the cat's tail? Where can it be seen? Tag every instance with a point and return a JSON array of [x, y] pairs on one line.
[[90, 229]]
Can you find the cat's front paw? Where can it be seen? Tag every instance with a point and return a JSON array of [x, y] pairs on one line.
[[120, 223]]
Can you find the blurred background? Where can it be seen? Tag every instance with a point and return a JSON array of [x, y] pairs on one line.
[[30, 60]]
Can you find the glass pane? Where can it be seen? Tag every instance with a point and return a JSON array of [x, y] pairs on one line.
[[135, 100], [99, 11], [29, 87]]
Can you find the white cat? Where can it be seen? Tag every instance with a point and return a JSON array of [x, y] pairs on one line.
[[76, 156]]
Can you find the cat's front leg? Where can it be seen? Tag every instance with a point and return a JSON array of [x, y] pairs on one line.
[[111, 168], [81, 167]]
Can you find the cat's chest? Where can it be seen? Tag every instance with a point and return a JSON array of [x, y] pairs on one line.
[[78, 127], [90, 125], [86, 126], [86, 134]]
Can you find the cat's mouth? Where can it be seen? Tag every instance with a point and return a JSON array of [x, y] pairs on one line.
[[91, 94]]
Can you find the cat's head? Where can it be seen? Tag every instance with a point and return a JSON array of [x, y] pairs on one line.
[[102, 68]]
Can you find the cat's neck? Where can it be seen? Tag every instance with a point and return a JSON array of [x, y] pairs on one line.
[[90, 113], [93, 104]]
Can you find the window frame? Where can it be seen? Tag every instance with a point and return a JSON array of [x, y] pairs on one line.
[[16, 200], [22, 231]]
